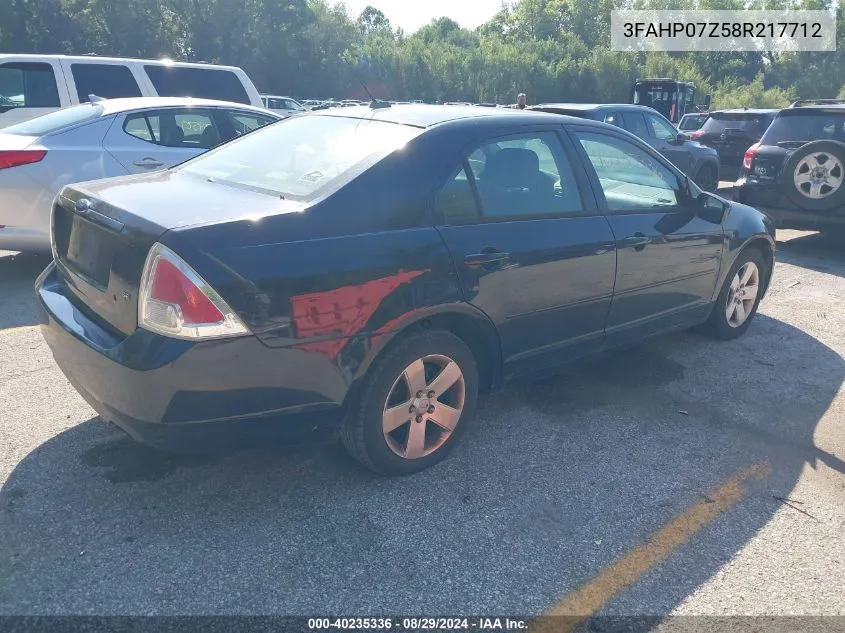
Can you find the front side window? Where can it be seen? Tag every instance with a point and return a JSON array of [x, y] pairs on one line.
[[28, 85], [110, 81], [245, 122], [205, 83], [630, 178], [301, 157], [660, 128], [524, 176]]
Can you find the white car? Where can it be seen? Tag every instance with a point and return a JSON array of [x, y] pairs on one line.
[[112, 137], [33, 85], [282, 105]]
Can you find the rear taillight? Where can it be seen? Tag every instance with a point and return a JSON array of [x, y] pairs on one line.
[[18, 157], [175, 301], [749, 155], [696, 134]]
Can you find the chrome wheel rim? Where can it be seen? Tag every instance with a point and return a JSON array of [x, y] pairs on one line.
[[423, 406], [818, 175], [742, 294]]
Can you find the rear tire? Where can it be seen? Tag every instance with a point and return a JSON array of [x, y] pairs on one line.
[[739, 297], [396, 426]]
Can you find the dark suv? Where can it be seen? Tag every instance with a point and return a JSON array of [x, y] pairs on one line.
[[730, 133], [795, 173], [697, 161]]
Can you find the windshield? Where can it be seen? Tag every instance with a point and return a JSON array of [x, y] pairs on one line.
[[806, 126], [302, 157], [56, 120], [753, 124]]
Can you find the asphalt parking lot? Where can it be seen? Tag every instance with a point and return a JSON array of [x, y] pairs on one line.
[[683, 476]]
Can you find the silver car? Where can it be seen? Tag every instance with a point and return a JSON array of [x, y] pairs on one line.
[[112, 137]]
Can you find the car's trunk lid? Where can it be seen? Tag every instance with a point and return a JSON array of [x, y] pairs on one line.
[[103, 230]]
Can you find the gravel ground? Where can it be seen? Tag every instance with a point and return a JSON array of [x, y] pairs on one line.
[[558, 479]]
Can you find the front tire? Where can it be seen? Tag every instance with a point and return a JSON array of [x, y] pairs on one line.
[[707, 178], [740, 296], [415, 404]]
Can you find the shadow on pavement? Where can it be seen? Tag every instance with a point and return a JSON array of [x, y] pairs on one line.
[[17, 277], [817, 251], [557, 479]]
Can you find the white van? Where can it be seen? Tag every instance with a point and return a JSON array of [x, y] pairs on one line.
[[32, 85]]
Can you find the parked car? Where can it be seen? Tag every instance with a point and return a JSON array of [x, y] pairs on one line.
[[285, 106], [33, 85], [693, 121], [699, 162], [380, 273], [730, 133], [795, 172], [102, 139]]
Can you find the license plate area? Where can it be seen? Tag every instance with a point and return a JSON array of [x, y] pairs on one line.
[[89, 252]]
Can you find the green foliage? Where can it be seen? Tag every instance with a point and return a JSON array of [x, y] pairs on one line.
[[553, 50]]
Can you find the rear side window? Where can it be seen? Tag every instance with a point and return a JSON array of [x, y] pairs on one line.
[[205, 83], [805, 127], [753, 124], [110, 81], [28, 85], [195, 129], [517, 176], [635, 124], [55, 121]]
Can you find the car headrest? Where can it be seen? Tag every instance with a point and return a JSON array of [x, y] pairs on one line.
[[511, 164]]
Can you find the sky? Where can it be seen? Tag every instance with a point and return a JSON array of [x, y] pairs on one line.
[[410, 15]]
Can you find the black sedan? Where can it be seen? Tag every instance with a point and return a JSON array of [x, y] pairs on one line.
[[371, 270]]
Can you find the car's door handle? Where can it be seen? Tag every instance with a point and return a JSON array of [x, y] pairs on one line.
[[485, 257], [637, 241], [149, 162]]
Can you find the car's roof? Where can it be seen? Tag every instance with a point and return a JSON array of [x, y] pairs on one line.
[[93, 59], [590, 106], [113, 106], [422, 115], [278, 97], [751, 111], [691, 114]]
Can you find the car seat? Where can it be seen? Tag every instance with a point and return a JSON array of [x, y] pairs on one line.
[[513, 184]]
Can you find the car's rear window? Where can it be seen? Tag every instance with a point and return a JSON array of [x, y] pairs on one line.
[[754, 124], [57, 120], [693, 122], [806, 126], [302, 157]]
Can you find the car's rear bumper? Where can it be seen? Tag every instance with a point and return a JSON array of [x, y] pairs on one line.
[[770, 199], [186, 396]]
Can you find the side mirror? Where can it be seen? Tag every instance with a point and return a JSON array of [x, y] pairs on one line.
[[711, 208], [707, 100], [679, 139]]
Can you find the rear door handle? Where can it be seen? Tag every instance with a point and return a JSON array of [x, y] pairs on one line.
[[485, 257], [637, 241], [149, 162]]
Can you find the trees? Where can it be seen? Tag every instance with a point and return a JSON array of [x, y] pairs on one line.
[[553, 50]]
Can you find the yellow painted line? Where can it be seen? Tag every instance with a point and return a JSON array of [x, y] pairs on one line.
[[589, 598], [16, 330]]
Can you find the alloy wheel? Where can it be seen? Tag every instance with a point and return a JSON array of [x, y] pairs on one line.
[[423, 406], [742, 295], [818, 175]]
